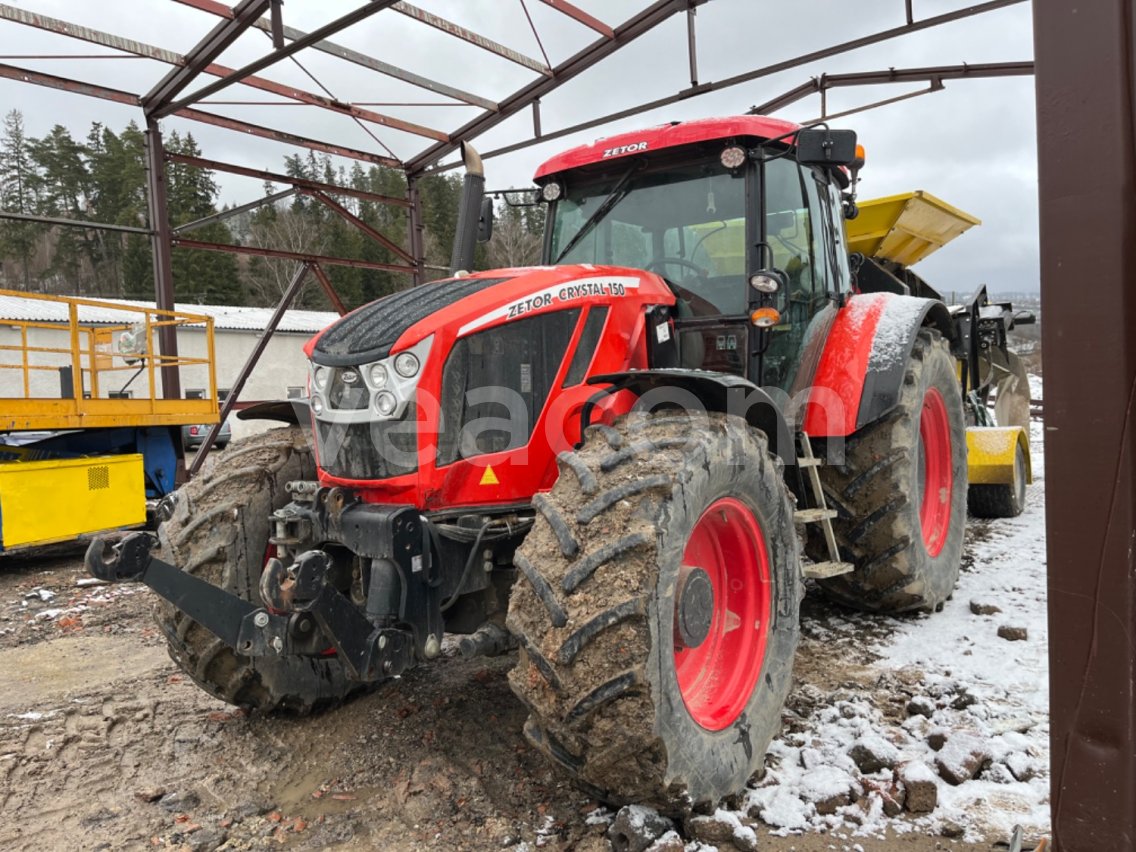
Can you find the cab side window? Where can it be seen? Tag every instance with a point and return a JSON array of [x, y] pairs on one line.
[[839, 239], [788, 226], [821, 230]]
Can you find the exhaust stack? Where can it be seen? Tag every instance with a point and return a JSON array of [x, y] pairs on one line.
[[469, 211]]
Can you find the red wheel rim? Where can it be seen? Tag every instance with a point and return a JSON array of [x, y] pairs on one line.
[[717, 678], [936, 476]]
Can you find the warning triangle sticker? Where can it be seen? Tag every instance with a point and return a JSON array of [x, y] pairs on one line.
[[489, 477]]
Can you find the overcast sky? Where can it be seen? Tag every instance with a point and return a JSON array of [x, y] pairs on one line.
[[973, 144]]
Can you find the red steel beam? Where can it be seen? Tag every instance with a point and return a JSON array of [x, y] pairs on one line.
[[329, 289], [72, 223], [158, 207], [371, 8], [54, 25], [648, 19], [213, 7], [311, 99], [302, 257], [341, 211], [78, 87], [487, 44], [892, 75], [420, 162], [148, 51], [276, 177], [286, 137], [156, 101], [294, 286], [580, 16]]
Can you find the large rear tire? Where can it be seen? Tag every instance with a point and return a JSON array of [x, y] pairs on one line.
[[625, 692], [900, 495], [218, 531]]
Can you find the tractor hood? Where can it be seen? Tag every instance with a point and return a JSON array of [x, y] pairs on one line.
[[402, 389], [463, 305]]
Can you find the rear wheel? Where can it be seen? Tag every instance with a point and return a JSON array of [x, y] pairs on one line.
[[658, 618], [900, 494], [1007, 500], [218, 530]]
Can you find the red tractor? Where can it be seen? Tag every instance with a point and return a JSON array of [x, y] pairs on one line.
[[626, 461]]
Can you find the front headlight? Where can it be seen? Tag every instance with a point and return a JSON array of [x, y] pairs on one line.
[[378, 375], [321, 375], [385, 403], [406, 365]]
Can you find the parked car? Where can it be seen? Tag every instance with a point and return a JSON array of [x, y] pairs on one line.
[[193, 436]]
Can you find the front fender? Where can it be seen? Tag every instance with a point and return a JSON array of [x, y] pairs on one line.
[[710, 391], [296, 412], [862, 368]]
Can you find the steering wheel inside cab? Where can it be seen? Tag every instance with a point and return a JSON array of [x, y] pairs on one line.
[[697, 305]]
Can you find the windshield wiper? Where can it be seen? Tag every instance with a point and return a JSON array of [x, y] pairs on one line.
[[613, 198]]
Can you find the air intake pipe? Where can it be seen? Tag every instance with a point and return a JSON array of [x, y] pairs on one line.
[[469, 211]]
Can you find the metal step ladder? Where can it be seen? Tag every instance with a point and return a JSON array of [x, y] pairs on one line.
[[820, 515]]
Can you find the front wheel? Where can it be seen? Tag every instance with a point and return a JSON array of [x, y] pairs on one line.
[[657, 616]]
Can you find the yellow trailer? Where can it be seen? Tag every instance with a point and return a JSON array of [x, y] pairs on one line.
[[78, 453]]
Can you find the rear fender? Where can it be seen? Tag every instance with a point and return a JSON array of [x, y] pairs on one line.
[[702, 390], [862, 369], [990, 454]]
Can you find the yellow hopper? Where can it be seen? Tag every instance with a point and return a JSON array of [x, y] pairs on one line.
[[906, 228]]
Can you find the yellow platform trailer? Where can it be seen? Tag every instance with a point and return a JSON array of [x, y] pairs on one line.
[[88, 440], [893, 234]]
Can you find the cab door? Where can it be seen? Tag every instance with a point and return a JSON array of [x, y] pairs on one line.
[[805, 239]]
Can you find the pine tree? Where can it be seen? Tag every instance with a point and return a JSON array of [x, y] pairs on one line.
[[63, 184], [17, 195], [204, 277]]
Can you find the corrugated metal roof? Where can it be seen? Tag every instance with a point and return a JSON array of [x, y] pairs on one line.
[[231, 317]]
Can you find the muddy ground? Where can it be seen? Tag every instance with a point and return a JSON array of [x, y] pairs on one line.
[[105, 745]]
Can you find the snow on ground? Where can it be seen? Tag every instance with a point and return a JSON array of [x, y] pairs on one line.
[[947, 677]]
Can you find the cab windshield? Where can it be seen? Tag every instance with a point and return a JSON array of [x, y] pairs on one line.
[[687, 224]]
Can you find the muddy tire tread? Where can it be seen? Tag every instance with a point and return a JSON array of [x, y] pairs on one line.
[[877, 520], [213, 520], [594, 716]]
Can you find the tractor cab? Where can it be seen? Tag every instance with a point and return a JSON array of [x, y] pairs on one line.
[[746, 232]]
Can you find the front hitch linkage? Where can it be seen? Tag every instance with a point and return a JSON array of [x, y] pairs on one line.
[[368, 653]]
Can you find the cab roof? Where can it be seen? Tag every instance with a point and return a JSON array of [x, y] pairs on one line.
[[666, 136]]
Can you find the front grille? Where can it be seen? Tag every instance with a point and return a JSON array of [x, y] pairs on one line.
[[495, 384], [378, 449], [348, 396]]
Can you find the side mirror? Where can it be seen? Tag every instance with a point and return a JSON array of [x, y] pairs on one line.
[[485, 221], [819, 146]]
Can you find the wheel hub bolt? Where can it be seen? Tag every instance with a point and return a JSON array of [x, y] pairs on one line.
[[694, 607]]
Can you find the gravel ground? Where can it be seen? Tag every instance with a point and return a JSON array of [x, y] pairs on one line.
[[104, 744]]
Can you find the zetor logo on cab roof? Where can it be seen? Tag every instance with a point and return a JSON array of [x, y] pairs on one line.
[[625, 149]]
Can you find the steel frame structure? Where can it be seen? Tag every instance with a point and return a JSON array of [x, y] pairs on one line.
[[175, 96]]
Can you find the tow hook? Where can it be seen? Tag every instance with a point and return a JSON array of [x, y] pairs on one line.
[[125, 561]]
